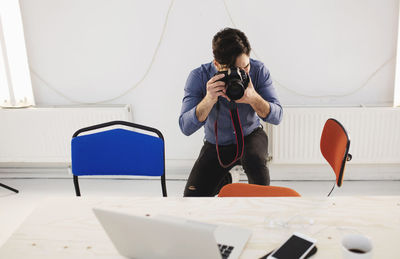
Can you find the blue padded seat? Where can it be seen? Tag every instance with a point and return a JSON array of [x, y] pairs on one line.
[[117, 152]]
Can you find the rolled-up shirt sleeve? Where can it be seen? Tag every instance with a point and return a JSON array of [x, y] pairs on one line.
[[188, 121], [267, 91]]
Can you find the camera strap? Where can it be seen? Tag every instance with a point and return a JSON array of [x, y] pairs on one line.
[[238, 133]]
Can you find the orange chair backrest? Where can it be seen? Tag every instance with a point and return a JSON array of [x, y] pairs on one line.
[[254, 190], [334, 146]]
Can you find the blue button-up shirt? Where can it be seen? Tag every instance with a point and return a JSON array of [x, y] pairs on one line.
[[195, 91]]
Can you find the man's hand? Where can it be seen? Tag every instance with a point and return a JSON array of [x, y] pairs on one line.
[[216, 88], [250, 95]]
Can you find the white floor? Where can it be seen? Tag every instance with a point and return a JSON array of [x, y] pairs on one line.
[[14, 208], [42, 187]]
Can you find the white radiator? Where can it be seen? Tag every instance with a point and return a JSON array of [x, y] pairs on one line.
[[37, 136], [374, 134]]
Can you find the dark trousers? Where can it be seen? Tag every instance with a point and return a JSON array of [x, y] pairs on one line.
[[207, 174]]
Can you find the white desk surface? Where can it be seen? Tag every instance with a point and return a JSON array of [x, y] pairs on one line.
[[67, 228]]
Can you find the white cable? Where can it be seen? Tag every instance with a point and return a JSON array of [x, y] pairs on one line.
[[53, 88], [156, 52], [132, 87], [229, 14], [315, 96], [338, 95]]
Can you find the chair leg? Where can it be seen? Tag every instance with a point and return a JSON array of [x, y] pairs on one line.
[[9, 188], [332, 189], [76, 184], [163, 186]]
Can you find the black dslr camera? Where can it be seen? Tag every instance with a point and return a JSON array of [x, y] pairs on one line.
[[236, 81]]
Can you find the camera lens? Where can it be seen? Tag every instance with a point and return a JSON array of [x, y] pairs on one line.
[[235, 90]]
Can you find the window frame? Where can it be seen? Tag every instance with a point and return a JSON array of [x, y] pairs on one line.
[[16, 85]]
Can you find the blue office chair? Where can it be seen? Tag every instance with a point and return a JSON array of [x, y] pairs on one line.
[[118, 152]]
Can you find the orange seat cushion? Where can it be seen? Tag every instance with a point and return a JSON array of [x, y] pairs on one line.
[[254, 190]]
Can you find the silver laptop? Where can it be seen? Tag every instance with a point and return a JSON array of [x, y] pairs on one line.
[[171, 237]]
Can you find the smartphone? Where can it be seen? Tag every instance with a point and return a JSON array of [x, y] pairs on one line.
[[296, 247]]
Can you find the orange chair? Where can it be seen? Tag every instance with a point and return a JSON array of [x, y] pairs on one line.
[[254, 190], [335, 144]]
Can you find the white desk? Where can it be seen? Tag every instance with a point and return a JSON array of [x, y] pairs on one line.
[[67, 228]]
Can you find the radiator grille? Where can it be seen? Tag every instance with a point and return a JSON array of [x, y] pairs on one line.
[[374, 134], [43, 135]]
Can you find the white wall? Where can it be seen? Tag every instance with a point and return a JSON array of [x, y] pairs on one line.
[[94, 50]]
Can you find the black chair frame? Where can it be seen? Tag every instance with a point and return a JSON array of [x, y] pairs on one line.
[[347, 157], [129, 124], [9, 188]]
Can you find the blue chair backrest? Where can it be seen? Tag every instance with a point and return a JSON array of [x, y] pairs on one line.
[[117, 152]]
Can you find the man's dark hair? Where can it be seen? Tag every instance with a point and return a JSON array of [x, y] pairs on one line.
[[228, 44]]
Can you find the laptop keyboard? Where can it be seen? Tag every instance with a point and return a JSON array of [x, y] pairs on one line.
[[225, 250]]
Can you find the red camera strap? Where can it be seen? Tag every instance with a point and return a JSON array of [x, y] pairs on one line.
[[238, 134]]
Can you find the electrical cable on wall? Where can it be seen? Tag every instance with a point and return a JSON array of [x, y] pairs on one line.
[[253, 52], [338, 95], [132, 87], [392, 58]]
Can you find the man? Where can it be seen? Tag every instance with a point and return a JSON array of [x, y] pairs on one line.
[[203, 90]]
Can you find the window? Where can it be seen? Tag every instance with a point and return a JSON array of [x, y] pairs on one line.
[[396, 93], [15, 81]]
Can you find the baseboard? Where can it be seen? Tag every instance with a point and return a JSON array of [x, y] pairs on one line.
[[324, 172], [180, 169]]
